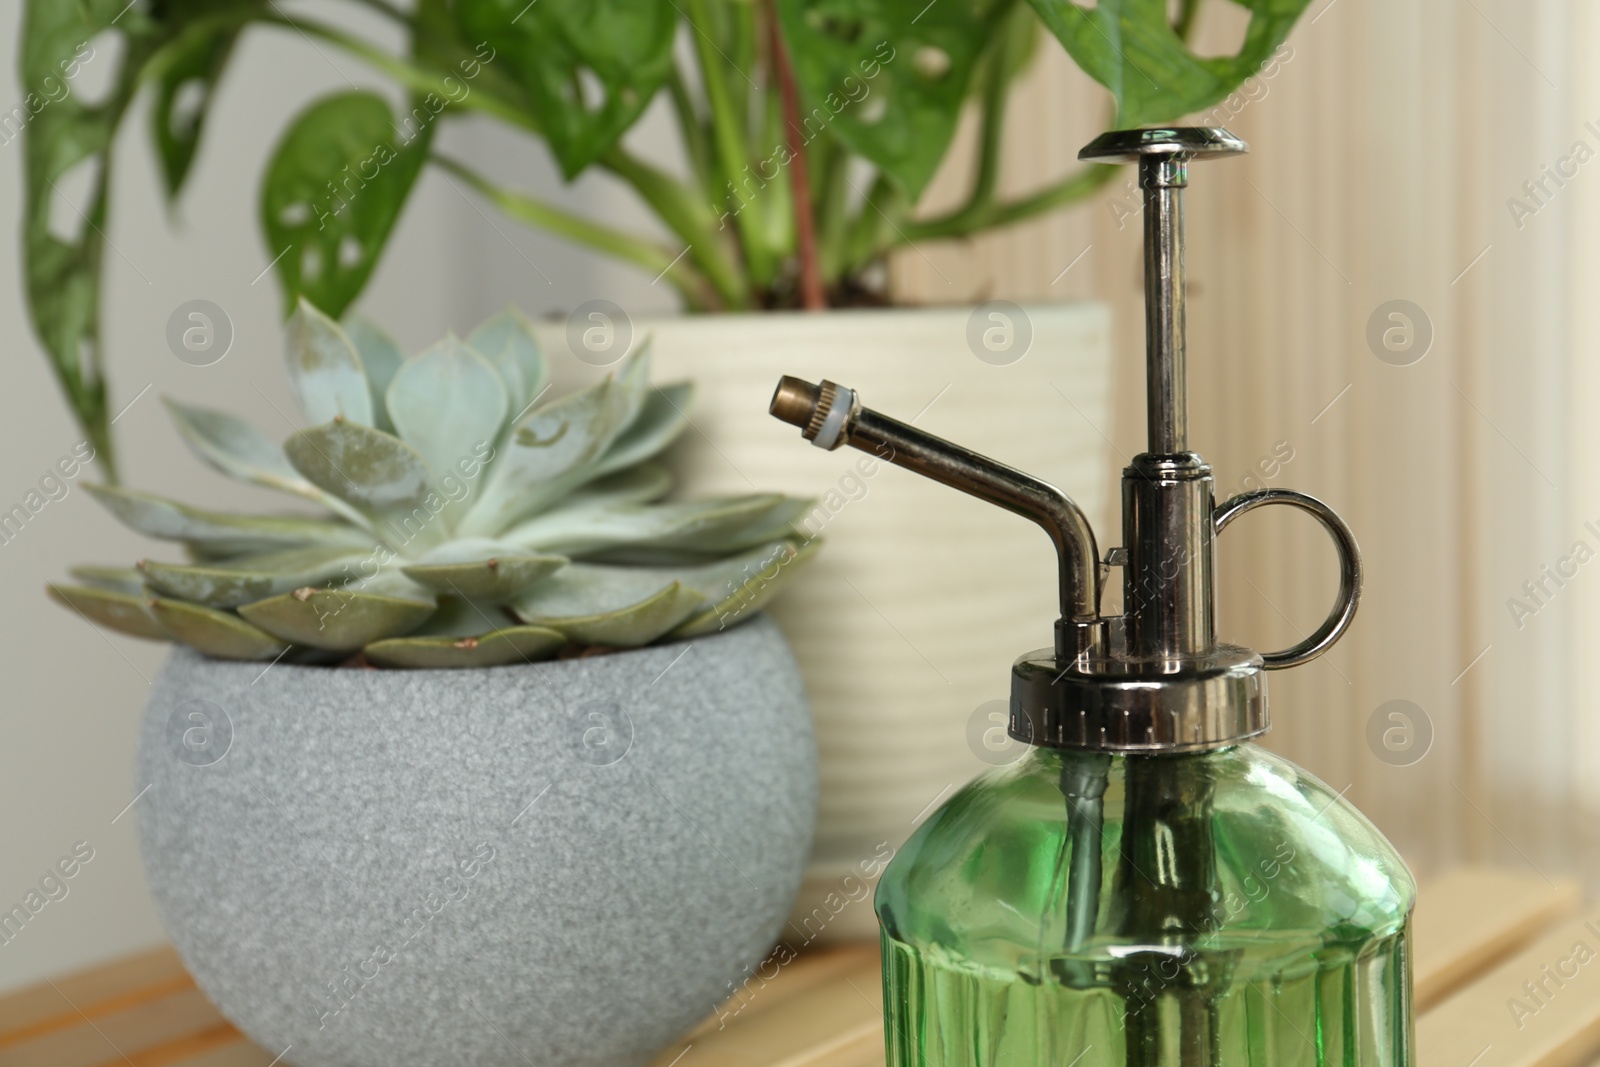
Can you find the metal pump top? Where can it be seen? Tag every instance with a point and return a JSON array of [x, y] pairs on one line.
[[1153, 679]]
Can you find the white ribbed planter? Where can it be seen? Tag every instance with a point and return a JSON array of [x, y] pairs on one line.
[[909, 619]]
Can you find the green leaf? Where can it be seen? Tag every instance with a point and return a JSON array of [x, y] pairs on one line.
[[589, 67], [507, 341], [633, 383], [460, 617], [184, 88], [640, 484], [324, 368], [494, 580], [723, 524], [114, 579], [1017, 42], [608, 605], [217, 531], [552, 441], [337, 619], [743, 585], [126, 613], [380, 359], [388, 581], [448, 403], [376, 473], [652, 419], [60, 134], [659, 416], [64, 245], [664, 415], [236, 448], [216, 633], [777, 521], [1130, 47], [888, 77], [332, 193], [511, 645], [469, 550], [239, 450], [605, 604], [230, 585]]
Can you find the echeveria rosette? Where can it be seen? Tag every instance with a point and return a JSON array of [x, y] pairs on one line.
[[470, 522]]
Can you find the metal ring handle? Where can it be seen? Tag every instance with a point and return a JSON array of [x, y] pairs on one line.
[[1344, 608]]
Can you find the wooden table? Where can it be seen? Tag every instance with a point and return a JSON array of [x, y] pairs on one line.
[[1480, 935]]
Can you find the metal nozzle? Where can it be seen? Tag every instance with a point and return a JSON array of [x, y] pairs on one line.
[[820, 411], [829, 415], [794, 401]]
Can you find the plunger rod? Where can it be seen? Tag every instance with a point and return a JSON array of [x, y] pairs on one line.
[[1162, 178]]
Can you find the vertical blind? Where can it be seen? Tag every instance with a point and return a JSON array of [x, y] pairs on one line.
[[1393, 305]]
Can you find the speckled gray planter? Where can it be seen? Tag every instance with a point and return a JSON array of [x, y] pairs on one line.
[[561, 864]]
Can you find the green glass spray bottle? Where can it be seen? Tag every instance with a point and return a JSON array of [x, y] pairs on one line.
[[1145, 888]]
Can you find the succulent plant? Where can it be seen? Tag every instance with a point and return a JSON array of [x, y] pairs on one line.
[[470, 524]]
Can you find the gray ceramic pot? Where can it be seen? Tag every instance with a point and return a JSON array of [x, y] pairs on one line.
[[566, 863]]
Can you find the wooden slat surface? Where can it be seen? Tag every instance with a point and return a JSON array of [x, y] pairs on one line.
[[52, 1005], [1453, 942], [1480, 935], [1538, 1008], [760, 995], [835, 1021]]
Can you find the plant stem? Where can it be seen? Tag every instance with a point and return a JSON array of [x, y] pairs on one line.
[[980, 212], [812, 297], [697, 145], [776, 206], [408, 74], [1184, 27], [1068, 190], [389, 11], [727, 123], [996, 90], [697, 292], [688, 218], [867, 240], [832, 215], [739, 31]]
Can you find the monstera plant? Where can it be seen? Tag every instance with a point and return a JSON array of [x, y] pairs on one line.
[[810, 129], [470, 523]]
